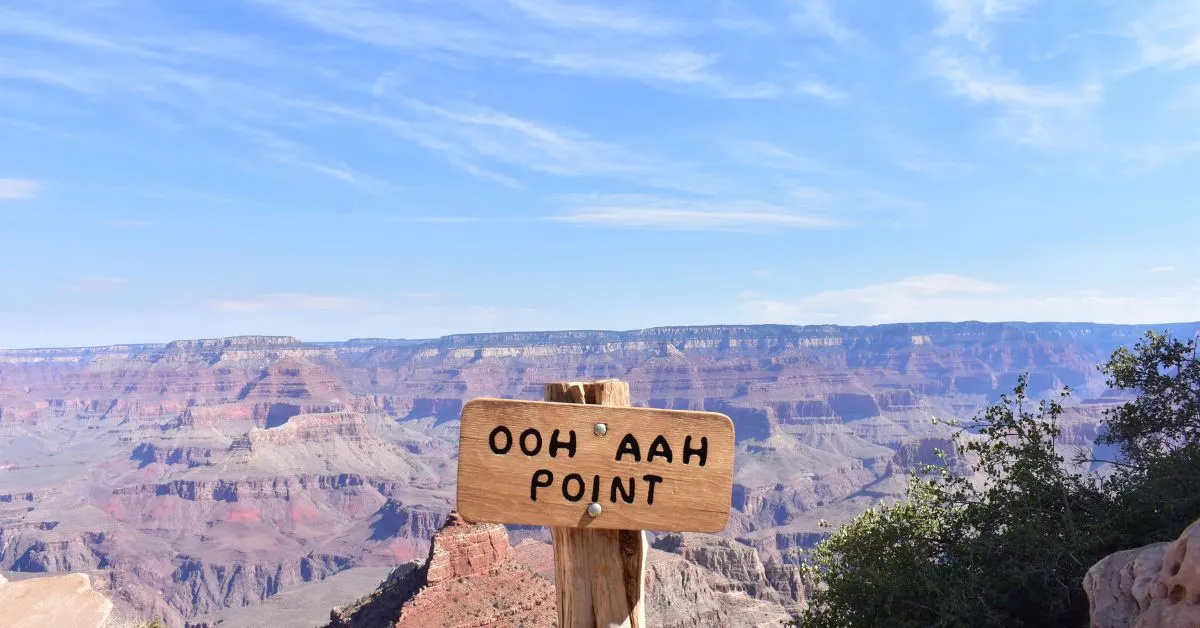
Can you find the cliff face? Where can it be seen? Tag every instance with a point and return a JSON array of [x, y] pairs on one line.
[[737, 568], [682, 594], [197, 467]]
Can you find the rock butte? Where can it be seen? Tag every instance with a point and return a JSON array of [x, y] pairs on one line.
[[195, 478]]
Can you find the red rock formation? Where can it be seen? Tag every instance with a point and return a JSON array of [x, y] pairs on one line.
[[469, 579], [460, 549]]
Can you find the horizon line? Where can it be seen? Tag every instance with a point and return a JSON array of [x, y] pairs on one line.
[[381, 339]]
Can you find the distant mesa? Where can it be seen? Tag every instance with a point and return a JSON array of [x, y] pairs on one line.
[[232, 342]]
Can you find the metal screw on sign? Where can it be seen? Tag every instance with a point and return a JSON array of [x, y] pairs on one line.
[[594, 509], [600, 429]]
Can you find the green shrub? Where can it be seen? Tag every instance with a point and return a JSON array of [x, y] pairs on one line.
[[1008, 544]]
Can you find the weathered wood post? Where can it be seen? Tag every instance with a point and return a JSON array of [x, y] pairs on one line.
[[599, 473], [599, 575]]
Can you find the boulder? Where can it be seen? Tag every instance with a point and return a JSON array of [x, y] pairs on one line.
[[1156, 586]]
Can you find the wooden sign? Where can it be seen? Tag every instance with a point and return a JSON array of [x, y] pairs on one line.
[[572, 465]]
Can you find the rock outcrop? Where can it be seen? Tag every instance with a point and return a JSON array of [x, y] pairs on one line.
[[681, 594], [1118, 587], [1156, 586], [736, 568], [461, 550], [65, 600], [469, 579]]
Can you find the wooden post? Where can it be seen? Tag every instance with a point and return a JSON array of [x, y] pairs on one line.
[[599, 575]]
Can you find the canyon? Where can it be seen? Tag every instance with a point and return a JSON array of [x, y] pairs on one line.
[[236, 480]]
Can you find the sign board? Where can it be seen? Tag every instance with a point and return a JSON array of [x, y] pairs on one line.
[[590, 466]]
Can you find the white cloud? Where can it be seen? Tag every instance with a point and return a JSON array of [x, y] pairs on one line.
[[290, 302], [949, 297], [641, 212], [18, 189], [1161, 269], [821, 90]]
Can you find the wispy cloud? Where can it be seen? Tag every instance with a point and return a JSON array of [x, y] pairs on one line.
[[439, 219], [973, 82], [644, 212], [1155, 156], [922, 162], [950, 297], [587, 39], [279, 149], [18, 189], [468, 136], [290, 302], [122, 223], [816, 17], [821, 90], [576, 15], [676, 67], [1165, 268], [97, 285], [768, 155], [1036, 114], [523, 142], [1168, 34], [972, 19]]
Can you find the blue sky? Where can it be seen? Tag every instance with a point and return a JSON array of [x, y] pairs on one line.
[[345, 168]]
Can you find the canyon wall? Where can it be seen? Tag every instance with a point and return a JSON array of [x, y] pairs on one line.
[[193, 477]]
